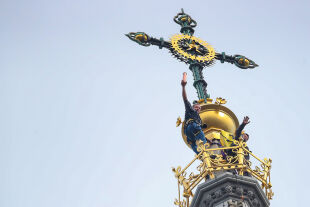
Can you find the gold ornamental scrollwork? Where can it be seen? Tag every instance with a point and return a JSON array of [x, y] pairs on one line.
[[203, 52], [210, 163]]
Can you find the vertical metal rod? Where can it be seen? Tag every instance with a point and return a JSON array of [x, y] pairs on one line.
[[179, 193], [187, 201], [199, 83]]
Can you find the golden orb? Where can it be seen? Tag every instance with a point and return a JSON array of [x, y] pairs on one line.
[[141, 37], [218, 118], [244, 62]]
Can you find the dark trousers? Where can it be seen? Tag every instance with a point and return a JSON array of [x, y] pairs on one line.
[[194, 132]]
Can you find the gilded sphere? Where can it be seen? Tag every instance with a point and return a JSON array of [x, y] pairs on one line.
[[244, 62], [217, 117]]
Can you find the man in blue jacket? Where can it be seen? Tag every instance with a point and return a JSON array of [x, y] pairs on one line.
[[192, 122]]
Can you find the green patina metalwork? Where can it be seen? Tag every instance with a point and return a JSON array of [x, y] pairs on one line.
[[190, 46], [199, 83], [187, 24]]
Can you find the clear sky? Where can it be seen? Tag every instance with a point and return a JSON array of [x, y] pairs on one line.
[[88, 116]]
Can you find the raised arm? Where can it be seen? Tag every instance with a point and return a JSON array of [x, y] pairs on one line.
[[245, 121], [183, 83]]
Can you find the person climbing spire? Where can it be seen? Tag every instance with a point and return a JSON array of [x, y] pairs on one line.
[[192, 122]]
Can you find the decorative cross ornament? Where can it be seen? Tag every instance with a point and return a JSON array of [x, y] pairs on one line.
[[192, 50]]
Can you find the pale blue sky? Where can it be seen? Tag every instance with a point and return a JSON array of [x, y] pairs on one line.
[[88, 117]]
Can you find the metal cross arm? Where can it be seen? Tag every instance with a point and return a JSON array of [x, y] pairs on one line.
[[145, 40], [239, 60], [192, 50]]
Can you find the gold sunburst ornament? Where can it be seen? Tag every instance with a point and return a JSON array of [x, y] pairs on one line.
[[189, 48]]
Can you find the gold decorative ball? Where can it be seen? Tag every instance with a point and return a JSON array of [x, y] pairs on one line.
[[217, 117], [244, 62]]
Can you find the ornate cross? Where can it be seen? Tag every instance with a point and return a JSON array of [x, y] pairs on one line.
[[192, 50]]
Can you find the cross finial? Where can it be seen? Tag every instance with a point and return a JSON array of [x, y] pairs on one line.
[[192, 50]]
